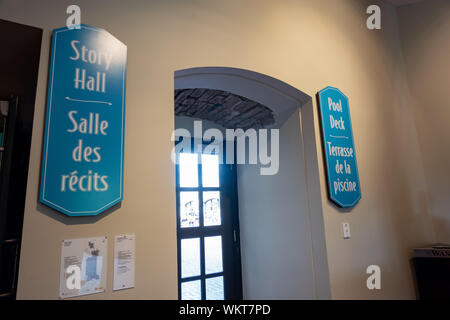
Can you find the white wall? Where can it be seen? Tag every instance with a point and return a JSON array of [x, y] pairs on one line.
[[274, 223]]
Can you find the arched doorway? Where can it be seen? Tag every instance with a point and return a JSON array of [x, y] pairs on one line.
[[283, 249]]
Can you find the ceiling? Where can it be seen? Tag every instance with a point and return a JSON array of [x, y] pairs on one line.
[[403, 2], [224, 108]]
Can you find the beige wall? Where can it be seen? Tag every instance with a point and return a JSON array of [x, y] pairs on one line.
[[308, 44], [425, 31], [392, 216]]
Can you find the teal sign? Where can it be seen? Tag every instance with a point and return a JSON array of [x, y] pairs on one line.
[[339, 148], [82, 163]]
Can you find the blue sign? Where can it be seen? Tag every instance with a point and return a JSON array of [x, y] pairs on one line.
[[82, 163], [339, 148]]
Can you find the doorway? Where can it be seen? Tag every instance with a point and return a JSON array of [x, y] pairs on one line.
[[281, 231], [19, 63]]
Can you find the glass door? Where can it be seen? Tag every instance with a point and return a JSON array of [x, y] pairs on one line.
[[207, 223]]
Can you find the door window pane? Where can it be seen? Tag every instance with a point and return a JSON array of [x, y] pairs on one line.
[[190, 290], [211, 208], [190, 257], [189, 216], [210, 170], [188, 170], [214, 288], [213, 254]]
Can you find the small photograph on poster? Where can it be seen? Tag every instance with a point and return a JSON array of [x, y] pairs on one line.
[[83, 266], [124, 254]]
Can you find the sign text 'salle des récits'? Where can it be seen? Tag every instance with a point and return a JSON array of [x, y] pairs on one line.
[[82, 164], [339, 148]]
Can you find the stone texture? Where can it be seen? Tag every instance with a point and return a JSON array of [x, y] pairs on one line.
[[224, 108]]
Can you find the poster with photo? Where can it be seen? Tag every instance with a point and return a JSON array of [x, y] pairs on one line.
[[83, 266]]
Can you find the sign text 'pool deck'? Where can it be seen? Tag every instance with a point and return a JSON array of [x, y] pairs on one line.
[[339, 148]]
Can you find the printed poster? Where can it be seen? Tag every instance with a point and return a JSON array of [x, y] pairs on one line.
[[124, 254], [83, 266]]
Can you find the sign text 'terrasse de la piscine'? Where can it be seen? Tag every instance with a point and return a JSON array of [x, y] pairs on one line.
[[82, 164], [339, 148]]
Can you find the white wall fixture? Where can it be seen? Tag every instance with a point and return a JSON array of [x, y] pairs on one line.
[[346, 230]]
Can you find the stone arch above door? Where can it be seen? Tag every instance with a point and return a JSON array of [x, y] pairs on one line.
[[281, 98], [227, 109]]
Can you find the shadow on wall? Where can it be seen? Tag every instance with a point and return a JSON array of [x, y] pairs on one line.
[[68, 220]]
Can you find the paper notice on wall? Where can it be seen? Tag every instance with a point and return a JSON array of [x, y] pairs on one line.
[[124, 254], [83, 266]]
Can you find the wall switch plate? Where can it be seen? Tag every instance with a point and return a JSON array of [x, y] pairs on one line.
[[346, 229]]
